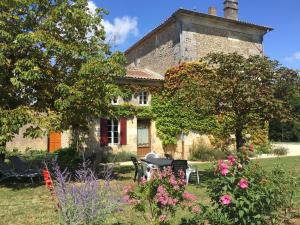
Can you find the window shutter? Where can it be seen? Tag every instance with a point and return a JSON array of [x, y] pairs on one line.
[[103, 132], [123, 129]]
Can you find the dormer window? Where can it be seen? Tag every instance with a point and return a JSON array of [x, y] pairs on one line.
[[114, 101], [143, 98]]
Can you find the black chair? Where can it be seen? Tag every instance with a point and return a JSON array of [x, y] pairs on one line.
[[6, 171], [178, 165], [138, 169], [22, 169]]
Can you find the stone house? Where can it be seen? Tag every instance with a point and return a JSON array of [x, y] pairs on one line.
[[185, 36]]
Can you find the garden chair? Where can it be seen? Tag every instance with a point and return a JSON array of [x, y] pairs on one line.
[[138, 169], [6, 171], [151, 155], [178, 165], [22, 168]]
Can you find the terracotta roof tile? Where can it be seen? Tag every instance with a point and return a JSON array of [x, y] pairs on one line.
[[143, 74]]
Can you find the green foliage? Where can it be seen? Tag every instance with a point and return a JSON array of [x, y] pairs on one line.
[[159, 198], [120, 156], [180, 106], [203, 152], [128, 111], [255, 195], [69, 158], [55, 66], [252, 90], [287, 131], [264, 148], [280, 151]]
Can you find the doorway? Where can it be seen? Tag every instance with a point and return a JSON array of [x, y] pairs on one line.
[[143, 137]]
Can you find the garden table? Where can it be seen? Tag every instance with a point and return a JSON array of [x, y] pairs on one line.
[[159, 162]]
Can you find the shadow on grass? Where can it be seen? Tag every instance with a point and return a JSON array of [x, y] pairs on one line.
[[204, 177], [19, 184]]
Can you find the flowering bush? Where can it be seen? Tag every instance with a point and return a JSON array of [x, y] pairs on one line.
[[161, 196], [83, 201], [246, 194]]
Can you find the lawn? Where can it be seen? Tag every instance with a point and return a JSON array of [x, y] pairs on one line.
[[23, 203]]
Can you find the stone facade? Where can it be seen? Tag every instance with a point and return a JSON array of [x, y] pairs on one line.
[[189, 35], [158, 52], [22, 144]]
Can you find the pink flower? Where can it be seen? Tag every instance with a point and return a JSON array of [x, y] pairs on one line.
[[173, 181], [189, 196], [126, 198], [223, 168], [162, 218], [128, 189], [225, 199], [231, 159], [240, 166], [196, 209], [244, 184]]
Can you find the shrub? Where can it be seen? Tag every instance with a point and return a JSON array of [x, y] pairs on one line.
[[158, 199], [247, 194], [204, 152], [265, 148], [68, 158], [280, 151], [84, 201], [123, 156]]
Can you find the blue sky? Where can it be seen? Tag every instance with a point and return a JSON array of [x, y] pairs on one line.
[[129, 20]]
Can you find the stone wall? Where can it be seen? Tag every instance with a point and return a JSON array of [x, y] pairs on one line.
[[22, 144], [189, 38], [200, 37], [158, 52]]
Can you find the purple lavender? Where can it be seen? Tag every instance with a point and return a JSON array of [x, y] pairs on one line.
[[84, 200]]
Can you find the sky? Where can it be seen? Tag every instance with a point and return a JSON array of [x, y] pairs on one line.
[[129, 20]]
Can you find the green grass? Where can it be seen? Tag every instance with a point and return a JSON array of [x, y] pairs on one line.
[[22, 203]]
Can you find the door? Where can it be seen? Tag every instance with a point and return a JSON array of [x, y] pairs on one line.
[[143, 137], [54, 141]]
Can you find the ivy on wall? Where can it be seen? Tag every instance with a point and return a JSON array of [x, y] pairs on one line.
[[180, 106]]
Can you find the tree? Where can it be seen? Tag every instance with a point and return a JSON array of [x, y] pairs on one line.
[[251, 90], [55, 66], [287, 130]]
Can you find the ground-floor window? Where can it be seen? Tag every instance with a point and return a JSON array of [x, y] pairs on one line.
[[113, 131]]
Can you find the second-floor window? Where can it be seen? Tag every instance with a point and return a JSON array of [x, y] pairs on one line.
[[143, 98]]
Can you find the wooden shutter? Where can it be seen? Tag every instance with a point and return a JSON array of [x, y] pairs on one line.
[[123, 130], [54, 141], [103, 132]]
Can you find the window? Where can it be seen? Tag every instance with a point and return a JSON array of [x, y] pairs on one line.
[[113, 131], [143, 98]]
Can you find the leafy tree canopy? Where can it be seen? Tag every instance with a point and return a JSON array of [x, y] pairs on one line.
[[252, 90], [54, 65]]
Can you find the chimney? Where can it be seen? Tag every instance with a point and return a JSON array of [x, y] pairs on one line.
[[212, 11], [231, 9]]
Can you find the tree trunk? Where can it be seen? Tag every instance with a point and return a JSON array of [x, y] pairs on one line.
[[239, 138]]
